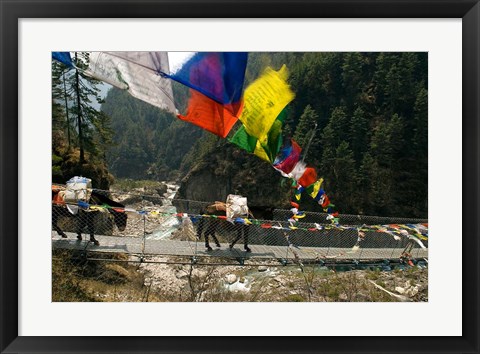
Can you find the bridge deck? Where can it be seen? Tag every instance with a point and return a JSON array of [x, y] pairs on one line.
[[136, 245]]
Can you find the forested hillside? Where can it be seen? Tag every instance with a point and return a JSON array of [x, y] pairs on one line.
[[367, 113], [149, 143]]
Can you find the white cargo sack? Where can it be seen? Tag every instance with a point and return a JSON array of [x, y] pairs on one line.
[[78, 188], [236, 206]]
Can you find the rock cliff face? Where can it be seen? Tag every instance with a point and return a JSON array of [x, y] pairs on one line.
[[235, 172], [204, 185]]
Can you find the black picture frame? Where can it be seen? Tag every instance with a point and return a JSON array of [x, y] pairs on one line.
[[11, 11]]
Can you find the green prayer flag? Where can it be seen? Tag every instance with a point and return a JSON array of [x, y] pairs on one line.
[[243, 140], [269, 145], [273, 141]]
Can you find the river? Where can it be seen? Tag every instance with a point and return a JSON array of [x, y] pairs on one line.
[[170, 223]]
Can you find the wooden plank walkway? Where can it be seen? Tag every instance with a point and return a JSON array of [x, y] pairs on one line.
[[136, 246]]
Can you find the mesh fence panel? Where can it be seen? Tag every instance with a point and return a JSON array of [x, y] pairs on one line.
[[182, 227]]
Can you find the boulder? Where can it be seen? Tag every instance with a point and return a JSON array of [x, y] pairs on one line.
[[181, 275], [162, 189], [412, 291], [230, 278]]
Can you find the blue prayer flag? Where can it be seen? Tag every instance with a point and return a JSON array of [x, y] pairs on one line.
[[217, 75], [63, 57]]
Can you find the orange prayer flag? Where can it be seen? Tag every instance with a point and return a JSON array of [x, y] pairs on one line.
[[210, 115]]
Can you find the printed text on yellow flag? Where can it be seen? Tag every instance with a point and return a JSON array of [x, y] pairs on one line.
[[264, 99]]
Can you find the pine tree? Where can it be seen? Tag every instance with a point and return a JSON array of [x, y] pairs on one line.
[[306, 135], [364, 185], [86, 92], [420, 130], [306, 125], [419, 201], [352, 77], [344, 174], [359, 134], [60, 100]]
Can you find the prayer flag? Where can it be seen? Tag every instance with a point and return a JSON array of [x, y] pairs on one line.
[[136, 72], [243, 140], [218, 75], [209, 115], [288, 157], [267, 147], [308, 177], [264, 99], [156, 62], [314, 188], [63, 57]]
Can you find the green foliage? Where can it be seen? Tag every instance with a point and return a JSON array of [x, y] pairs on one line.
[[56, 159]]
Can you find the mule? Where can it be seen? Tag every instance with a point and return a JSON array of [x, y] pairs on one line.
[[86, 218], [210, 225]]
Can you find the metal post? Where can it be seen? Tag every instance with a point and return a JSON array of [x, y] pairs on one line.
[[144, 228]]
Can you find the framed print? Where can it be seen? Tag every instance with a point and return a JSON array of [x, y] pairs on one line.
[[367, 98]]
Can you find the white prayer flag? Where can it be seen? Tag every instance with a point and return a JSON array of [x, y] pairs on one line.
[[136, 72]]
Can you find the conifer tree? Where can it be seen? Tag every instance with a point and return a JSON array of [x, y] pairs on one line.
[[344, 173], [359, 134], [306, 125], [86, 92]]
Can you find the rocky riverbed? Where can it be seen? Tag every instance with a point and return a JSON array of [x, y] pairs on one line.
[[159, 220], [273, 283]]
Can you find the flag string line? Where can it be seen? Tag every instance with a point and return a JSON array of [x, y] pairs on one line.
[[408, 230]]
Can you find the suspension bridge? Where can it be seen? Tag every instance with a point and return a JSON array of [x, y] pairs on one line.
[[137, 247], [160, 227]]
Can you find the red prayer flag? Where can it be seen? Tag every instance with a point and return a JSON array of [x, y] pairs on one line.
[[210, 115], [326, 202], [288, 157], [308, 177]]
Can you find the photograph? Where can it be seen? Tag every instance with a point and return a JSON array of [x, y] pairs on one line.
[[239, 176]]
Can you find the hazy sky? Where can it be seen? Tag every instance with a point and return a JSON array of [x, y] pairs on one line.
[[176, 59]]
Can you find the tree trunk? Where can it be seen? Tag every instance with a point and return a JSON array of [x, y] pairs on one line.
[[66, 109], [80, 135]]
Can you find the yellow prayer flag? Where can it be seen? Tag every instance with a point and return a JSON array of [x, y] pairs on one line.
[[264, 99], [260, 152], [316, 187]]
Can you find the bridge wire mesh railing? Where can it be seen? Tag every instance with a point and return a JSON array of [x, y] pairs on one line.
[[152, 219]]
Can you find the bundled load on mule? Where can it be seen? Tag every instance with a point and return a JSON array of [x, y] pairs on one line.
[[78, 199], [234, 210], [236, 206], [78, 189]]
